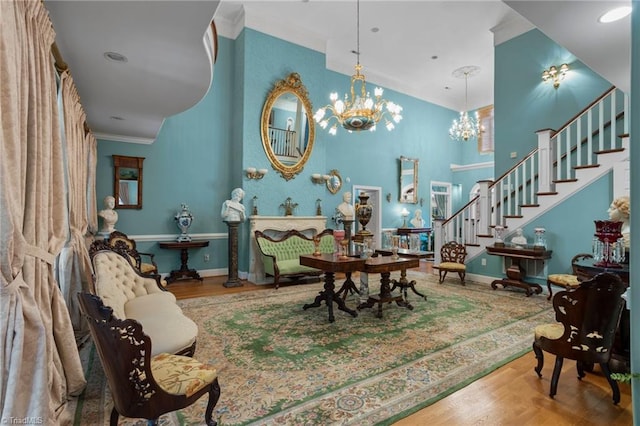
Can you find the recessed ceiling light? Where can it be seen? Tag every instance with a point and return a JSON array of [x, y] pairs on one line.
[[115, 57], [115, 117], [615, 14], [375, 29], [434, 57]]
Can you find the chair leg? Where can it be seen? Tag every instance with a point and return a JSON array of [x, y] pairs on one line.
[[540, 357], [113, 420], [462, 275], [580, 368], [549, 288], [214, 395], [443, 274], [556, 376], [614, 385]]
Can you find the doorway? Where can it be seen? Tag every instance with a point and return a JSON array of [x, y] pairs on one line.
[[375, 224]]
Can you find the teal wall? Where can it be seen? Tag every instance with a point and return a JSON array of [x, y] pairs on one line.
[[199, 155], [523, 104]]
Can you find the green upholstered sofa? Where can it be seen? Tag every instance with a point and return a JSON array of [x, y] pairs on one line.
[[281, 256]]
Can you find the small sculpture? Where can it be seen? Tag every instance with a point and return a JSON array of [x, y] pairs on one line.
[[345, 208], [109, 215], [417, 221], [233, 210], [620, 211], [318, 207], [519, 239], [288, 206]]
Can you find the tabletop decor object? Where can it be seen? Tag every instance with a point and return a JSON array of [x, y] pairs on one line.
[[183, 219], [539, 240], [363, 214], [608, 244]]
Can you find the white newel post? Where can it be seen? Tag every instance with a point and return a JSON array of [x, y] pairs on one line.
[[438, 239], [484, 213], [546, 157]]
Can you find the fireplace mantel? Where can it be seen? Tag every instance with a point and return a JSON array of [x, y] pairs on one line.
[[276, 223]]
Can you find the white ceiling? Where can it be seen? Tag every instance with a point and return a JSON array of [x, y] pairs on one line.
[[170, 69]]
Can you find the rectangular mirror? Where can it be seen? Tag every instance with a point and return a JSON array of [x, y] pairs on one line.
[[408, 180], [127, 182]]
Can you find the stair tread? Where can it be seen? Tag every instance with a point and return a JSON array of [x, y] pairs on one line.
[[588, 166], [565, 180], [513, 216], [529, 205], [609, 151], [547, 193]]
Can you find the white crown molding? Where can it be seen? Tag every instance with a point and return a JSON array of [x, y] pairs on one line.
[[507, 30], [122, 138], [474, 166]]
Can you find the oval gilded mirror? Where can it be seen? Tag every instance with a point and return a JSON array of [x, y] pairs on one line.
[[287, 132]]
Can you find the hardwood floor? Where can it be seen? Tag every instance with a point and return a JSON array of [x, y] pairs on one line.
[[511, 395]]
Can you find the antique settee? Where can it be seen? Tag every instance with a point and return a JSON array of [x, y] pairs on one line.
[[281, 255], [133, 295]]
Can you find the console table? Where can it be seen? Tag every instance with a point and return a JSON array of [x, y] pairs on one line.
[[515, 272], [184, 273], [405, 232]]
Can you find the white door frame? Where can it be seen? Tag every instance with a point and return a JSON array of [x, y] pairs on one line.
[[375, 199]]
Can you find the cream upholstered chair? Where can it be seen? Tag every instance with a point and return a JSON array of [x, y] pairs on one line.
[[568, 281], [452, 257], [587, 318], [143, 385]]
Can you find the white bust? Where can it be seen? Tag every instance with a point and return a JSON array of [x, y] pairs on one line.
[[109, 215], [345, 208], [519, 239], [619, 211], [417, 221], [233, 210]]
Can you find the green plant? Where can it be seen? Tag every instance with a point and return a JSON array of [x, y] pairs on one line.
[[625, 377]]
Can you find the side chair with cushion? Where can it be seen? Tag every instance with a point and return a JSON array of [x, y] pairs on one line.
[[142, 385], [452, 257], [120, 239], [568, 281], [587, 318]]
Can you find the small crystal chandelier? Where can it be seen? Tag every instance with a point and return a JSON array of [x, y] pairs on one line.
[[465, 127], [360, 111]]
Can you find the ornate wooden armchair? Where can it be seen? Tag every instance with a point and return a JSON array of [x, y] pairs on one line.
[[120, 239], [452, 257], [587, 321], [568, 281], [143, 386]]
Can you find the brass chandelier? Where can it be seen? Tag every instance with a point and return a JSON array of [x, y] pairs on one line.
[[360, 111], [465, 127]]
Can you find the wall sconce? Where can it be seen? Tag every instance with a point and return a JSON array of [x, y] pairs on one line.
[[555, 75], [404, 213], [388, 197], [319, 179], [253, 173]]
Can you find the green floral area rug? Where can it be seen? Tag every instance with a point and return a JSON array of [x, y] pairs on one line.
[[282, 365]]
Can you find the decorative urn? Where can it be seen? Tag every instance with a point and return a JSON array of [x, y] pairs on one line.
[[363, 213], [183, 219]]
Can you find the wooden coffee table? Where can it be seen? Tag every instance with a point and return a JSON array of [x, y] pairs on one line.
[[384, 265], [330, 264], [403, 282]]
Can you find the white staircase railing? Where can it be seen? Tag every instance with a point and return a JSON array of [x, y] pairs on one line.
[[558, 156]]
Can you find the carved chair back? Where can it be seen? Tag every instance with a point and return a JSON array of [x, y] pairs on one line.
[[590, 315], [453, 252]]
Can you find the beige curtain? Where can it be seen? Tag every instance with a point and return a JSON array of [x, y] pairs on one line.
[[39, 361], [74, 265]]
